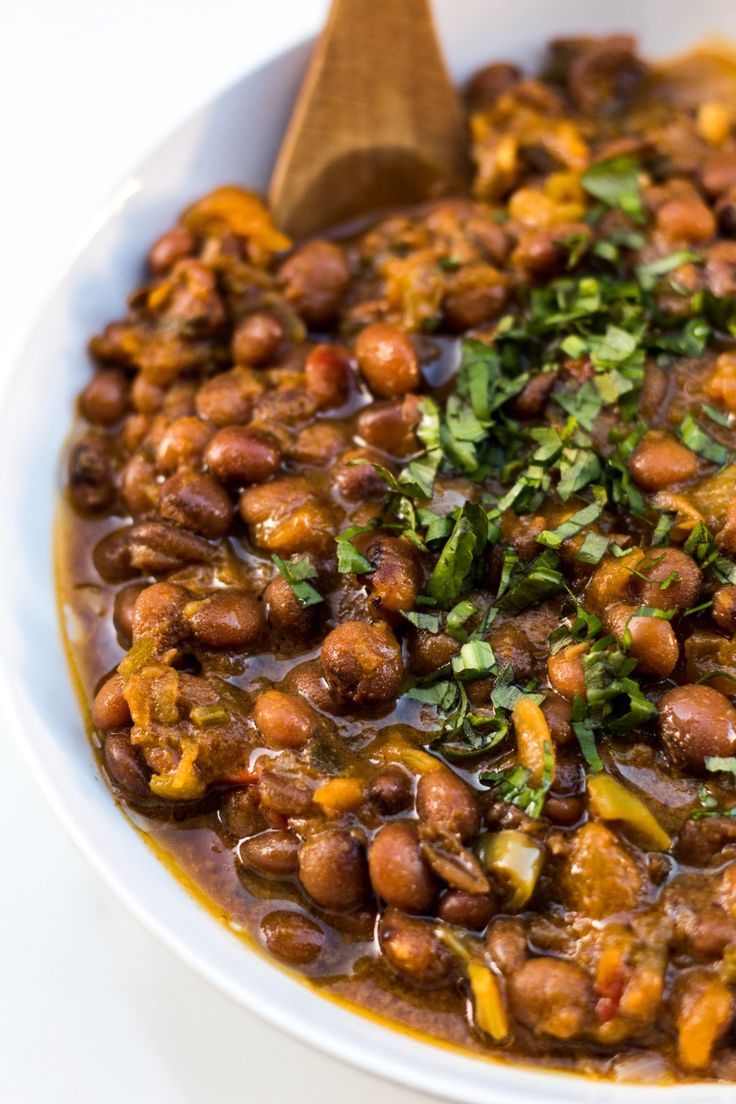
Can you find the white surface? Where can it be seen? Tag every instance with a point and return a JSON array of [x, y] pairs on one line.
[[92, 1008]]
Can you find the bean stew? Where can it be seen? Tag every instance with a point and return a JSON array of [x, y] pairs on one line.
[[398, 568]]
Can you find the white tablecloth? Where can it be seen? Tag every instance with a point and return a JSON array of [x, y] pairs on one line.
[[92, 1010]]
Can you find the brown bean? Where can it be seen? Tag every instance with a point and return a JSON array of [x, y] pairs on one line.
[[475, 294], [430, 651], [111, 556], [257, 339], [701, 841], [694, 722], [387, 359], [563, 810], [123, 608], [197, 502], [467, 910], [506, 943], [182, 445], [558, 712], [566, 673], [327, 375], [156, 547], [724, 608], [274, 852], [292, 937], [319, 444], [158, 614], [315, 278], [240, 813], [139, 488], [355, 481], [391, 425], [512, 647], [285, 516], [284, 793], [653, 641], [333, 870], [454, 864], [125, 767], [686, 219], [605, 73], [306, 680], [672, 580], [362, 663], [488, 83], [171, 247], [286, 614], [659, 460], [551, 997], [91, 476], [544, 251], [396, 578], [109, 708], [532, 400], [228, 398], [239, 455], [414, 949], [390, 790], [718, 172], [284, 720], [398, 870], [226, 619], [104, 400], [445, 801], [712, 931]]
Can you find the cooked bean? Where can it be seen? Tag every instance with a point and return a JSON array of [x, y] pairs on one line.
[[307, 680], [659, 460], [506, 943], [599, 876], [454, 864], [257, 339], [125, 767], [686, 219], [712, 931], [91, 476], [109, 708], [112, 556], [511, 647], [387, 359], [357, 481], [241, 814], [563, 810], [286, 614], [430, 651], [292, 937], [543, 251], [284, 793], [158, 614], [239, 455], [228, 398], [694, 722], [198, 502], [445, 801], [390, 790], [396, 579], [414, 949], [558, 712], [724, 608], [718, 174], [319, 444], [566, 673], [156, 547], [701, 841], [653, 640], [147, 397], [273, 852], [362, 663], [672, 581], [104, 400], [284, 720], [467, 910], [139, 488], [333, 870], [399, 872], [226, 619], [182, 445], [485, 86], [286, 517], [391, 425], [171, 247], [327, 375], [123, 608], [551, 997], [532, 400], [314, 279]]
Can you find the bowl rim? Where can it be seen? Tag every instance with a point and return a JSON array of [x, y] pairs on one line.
[[378, 1048]]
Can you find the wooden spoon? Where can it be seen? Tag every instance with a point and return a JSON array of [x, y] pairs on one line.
[[377, 121]]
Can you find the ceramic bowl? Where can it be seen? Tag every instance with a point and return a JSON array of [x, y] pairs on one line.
[[234, 138]]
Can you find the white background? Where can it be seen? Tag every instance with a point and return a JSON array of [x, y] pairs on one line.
[[92, 1010]]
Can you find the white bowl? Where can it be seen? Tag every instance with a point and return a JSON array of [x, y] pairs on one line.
[[234, 139]]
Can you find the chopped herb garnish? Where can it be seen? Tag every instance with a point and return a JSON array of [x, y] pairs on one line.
[[696, 438], [296, 573], [615, 182]]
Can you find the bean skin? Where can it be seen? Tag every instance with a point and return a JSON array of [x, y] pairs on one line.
[[388, 360], [171, 247], [112, 556], [125, 767], [284, 793], [104, 400], [239, 455], [467, 910], [724, 608], [156, 547], [284, 720], [332, 869], [198, 502], [123, 609], [399, 872], [226, 619], [257, 339], [659, 460], [696, 721], [158, 614], [653, 640], [327, 375], [109, 708], [286, 614], [444, 801], [292, 937], [91, 476], [362, 663], [182, 445], [274, 853], [681, 576], [551, 997], [314, 279], [415, 951], [390, 790]]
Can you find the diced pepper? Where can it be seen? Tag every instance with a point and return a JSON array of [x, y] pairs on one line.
[[610, 800], [490, 1011], [516, 859], [338, 795]]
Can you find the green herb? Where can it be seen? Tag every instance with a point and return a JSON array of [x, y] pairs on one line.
[[474, 660], [296, 573], [725, 763], [692, 435], [461, 557], [553, 538], [428, 622], [349, 559], [529, 584], [512, 786], [648, 274], [586, 740], [458, 616], [720, 417], [593, 549], [702, 547], [615, 182]]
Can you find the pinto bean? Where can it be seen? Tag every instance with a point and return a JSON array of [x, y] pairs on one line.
[[387, 359], [284, 516], [241, 814], [284, 793], [333, 870], [109, 708], [226, 619], [506, 943], [257, 339], [391, 425], [274, 852], [286, 614], [123, 608], [156, 547], [390, 790], [701, 841], [292, 936], [398, 870], [396, 578], [139, 489], [327, 375], [672, 581], [694, 722], [314, 279], [485, 86], [357, 481], [171, 247], [104, 400], [551, 997], [653, 640], [306, 680], [687, 219], [414, 950], [566, 673], [319, 444], [125, 766], [91, 479], [112, 558], [182, 445], [430, 651], [239, 455], [362, 663], [511, 646], [718, 174], [228, 398], [467, 910], [284, 720], [543, 251], [724, 608], [558, 711], [158, 614], [197, 502], [445, 801], [659, 460]]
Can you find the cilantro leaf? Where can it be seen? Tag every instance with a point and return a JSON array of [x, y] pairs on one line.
[[296, 573]]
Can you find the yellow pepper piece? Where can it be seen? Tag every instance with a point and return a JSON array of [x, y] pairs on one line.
[[413, 758], [185, 784], [490, 1012], [516, 859], [232, 210], [610, 800], [713, 123], [534, 741], [338, 795]]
